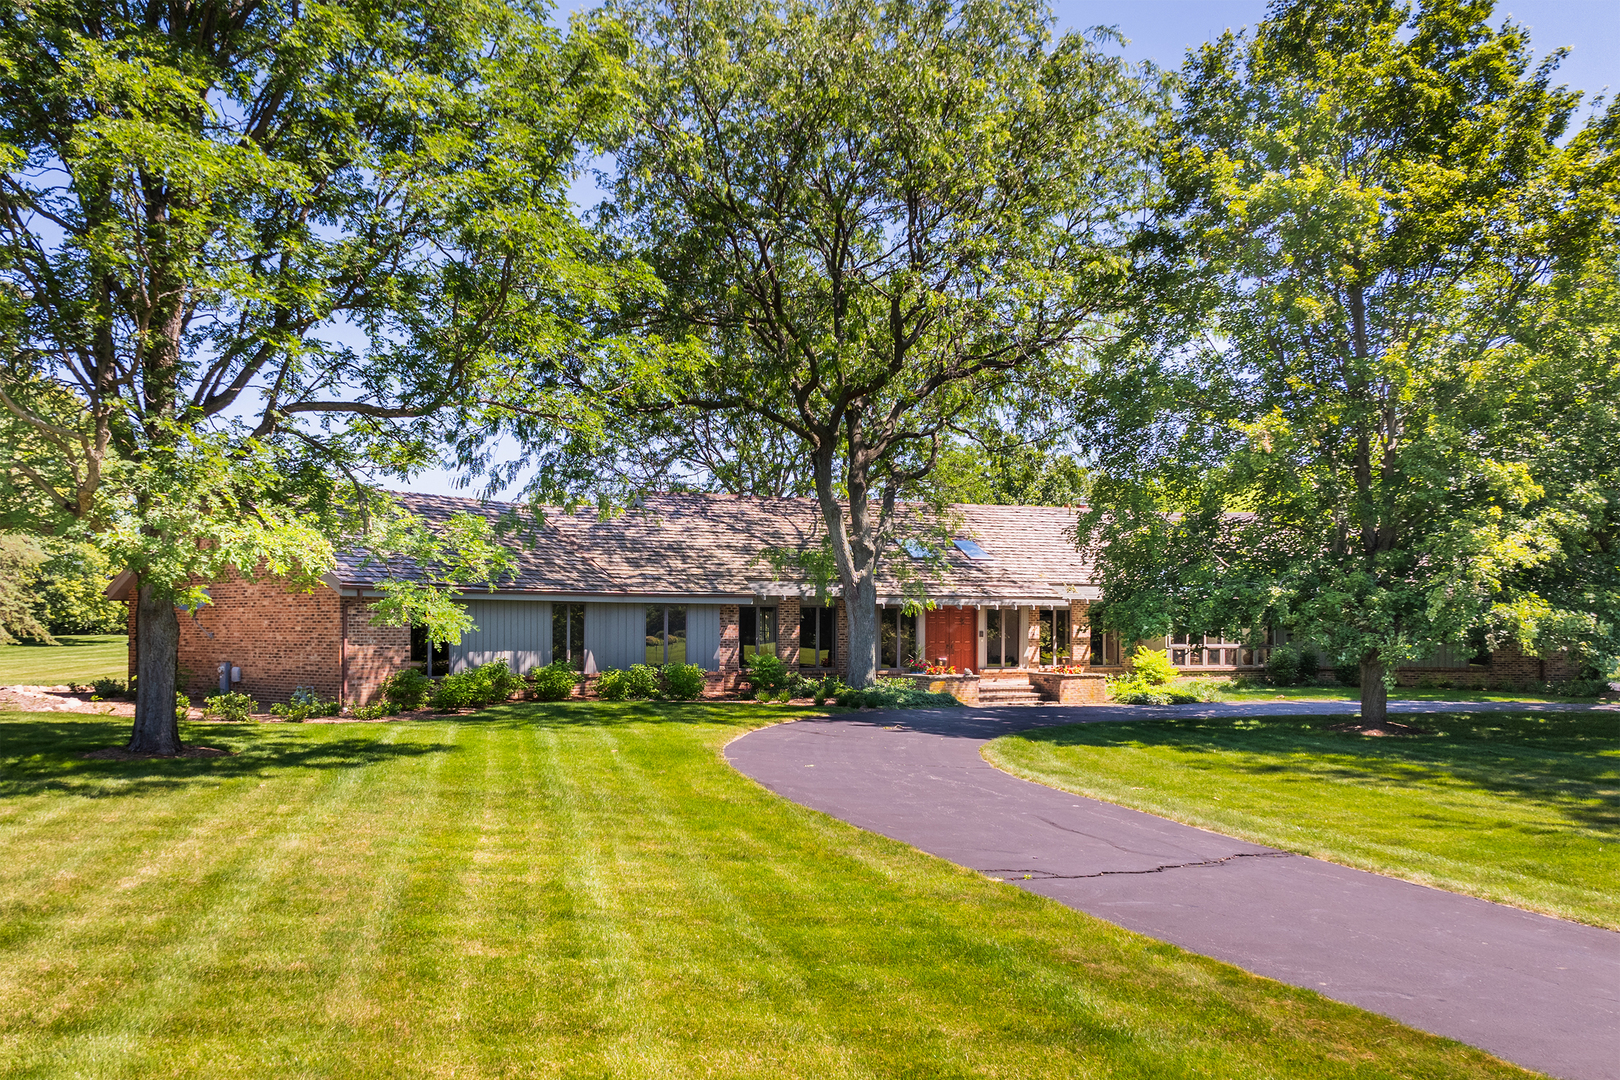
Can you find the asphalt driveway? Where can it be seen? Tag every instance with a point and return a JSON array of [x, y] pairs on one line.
[[1542, 992]]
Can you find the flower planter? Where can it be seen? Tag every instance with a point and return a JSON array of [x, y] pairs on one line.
[[1087, 688], [964, 688]]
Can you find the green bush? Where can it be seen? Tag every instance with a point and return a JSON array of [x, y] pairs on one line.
[[766, 673], [1128, 693], [1151, 667], [1309, 667], [375, 711], [479, 687], [1347, 673], [406, 689], [305, 703], [106, 689], [893, 694], [182, 706], [1283, 667], [641, 682], [684, 682], [235, 707], [556, 681], [611, 685]]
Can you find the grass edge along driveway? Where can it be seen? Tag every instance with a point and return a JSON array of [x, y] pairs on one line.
[[1518, 808], [574, 890]]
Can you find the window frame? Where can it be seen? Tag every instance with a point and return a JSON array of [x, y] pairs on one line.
[[664, 635], [573, 617], [743, 636], [823, 620]]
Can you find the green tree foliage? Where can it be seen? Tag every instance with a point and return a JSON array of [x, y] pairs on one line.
[[71, 592], [20, 560], [872, 222], [1390, 433], [1004, 468], [248, 248]]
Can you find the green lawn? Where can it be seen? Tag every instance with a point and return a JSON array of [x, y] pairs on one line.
[[77, 658], [568, 891], [1262, 692], [1518, 808]]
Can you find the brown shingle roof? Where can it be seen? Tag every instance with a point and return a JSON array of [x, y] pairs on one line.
[[721, 545]]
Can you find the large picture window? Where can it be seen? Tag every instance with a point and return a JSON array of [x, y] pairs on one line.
[[666, 634], [897, 637], [435, 660], [818, 636], [1054, 641], [1104, 648], [568, 635], [1001, 637], [1213, 650], [757, 628]]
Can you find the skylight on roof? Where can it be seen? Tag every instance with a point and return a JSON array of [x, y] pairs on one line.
[[917, 549], [970, 549]]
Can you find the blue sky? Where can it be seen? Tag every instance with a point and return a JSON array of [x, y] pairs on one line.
[[1163, 30]]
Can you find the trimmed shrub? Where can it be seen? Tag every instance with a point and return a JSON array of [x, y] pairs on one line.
[[611, 685], [406, 689], [234, 707], [106, 689], [1283, 667], [1138, 694], [893, 694], [683, 682], [556, 681], [641, 682], [1347, 673], [766, 673], [1309, 667], [1151, 667], [487, 684], [305, 703]]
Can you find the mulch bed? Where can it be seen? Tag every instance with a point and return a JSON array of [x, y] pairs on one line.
[[1388, 727], [118, 753]]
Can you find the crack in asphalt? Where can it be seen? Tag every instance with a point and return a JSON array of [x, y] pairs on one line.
[[1042, 875]]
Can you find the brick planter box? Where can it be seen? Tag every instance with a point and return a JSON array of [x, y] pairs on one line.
[[1088, 688], [964, 688]]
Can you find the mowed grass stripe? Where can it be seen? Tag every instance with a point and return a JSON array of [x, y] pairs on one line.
[[215, 913], [784, 1016], [565, 891]]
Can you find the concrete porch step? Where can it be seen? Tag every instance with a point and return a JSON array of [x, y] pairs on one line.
[[1008, 692]]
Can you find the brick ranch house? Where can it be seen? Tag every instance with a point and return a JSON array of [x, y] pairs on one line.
[[690, 578]]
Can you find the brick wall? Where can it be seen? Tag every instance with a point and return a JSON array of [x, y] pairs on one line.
[[1508, 666], [788, 615], [370, 653], [280, 639], [1079, 632], [729, 675]]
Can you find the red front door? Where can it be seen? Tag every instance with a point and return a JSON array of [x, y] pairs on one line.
[[953, 633]]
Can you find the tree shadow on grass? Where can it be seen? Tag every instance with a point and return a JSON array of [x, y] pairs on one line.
[[610, 714], [42, 753], [1552, 760]]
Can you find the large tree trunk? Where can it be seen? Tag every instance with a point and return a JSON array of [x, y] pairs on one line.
[[1374, 695], [855, 553], [157, 656], [860, 605]]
